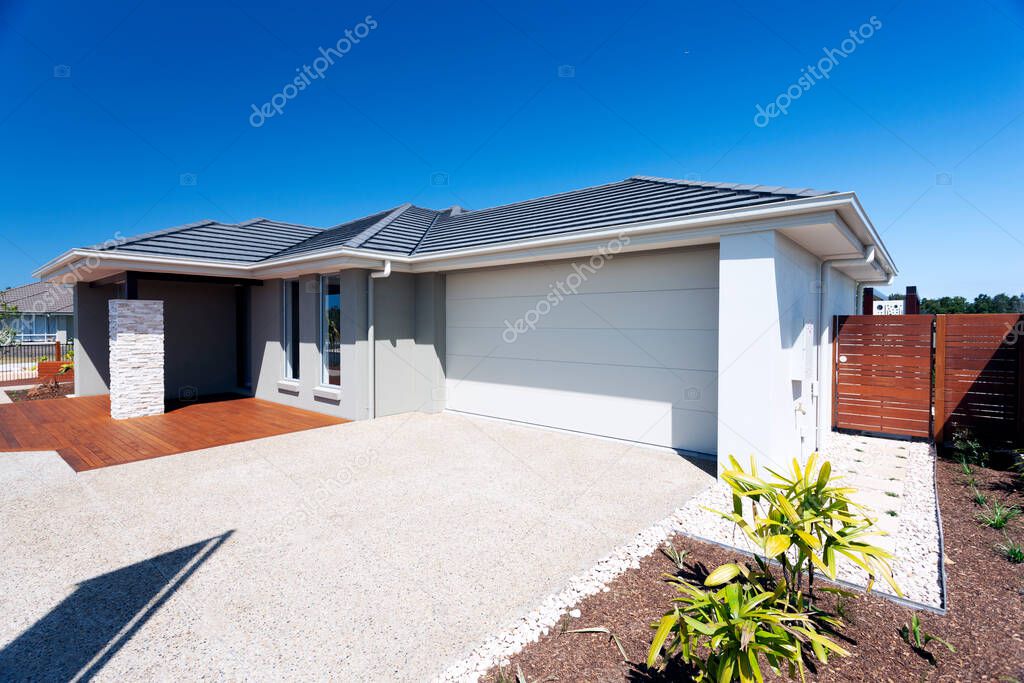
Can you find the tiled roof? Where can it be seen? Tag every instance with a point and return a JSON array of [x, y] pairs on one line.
[[251, 241], [40, 297], [410, 230], [634, 200]]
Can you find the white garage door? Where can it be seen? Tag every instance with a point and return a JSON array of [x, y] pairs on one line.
[[628, 350]]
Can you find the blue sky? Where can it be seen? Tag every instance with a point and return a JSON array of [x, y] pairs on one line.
[[107, 106]]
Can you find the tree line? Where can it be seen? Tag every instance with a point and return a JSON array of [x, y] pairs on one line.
[[983, 303]]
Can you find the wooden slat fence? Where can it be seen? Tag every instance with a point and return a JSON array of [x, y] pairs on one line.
[[929, 375], [979, 376], [882, 380]]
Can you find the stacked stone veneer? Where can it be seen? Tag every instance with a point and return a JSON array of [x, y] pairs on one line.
[[136, 358]]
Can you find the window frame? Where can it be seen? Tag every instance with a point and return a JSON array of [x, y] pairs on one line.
[[291, 296], [322, 316]]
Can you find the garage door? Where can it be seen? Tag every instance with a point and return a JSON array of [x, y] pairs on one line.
[[627, 350]]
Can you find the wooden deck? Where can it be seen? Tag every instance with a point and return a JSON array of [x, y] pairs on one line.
[[83, 433]]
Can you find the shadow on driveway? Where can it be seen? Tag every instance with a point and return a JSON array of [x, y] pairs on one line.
[[81, 634]]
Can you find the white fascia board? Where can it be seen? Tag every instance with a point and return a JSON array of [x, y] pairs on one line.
[[81, 263], [855, 217], [702, 229]]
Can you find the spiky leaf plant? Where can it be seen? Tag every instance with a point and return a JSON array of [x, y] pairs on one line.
[[742, 621], [806, 523]]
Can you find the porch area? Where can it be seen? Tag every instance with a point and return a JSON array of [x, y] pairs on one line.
[[82, 432]]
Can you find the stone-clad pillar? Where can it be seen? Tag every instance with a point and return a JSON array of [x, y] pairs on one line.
[[136, 358]]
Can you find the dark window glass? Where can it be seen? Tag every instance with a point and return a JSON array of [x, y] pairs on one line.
[[330, 328], [291, 329]]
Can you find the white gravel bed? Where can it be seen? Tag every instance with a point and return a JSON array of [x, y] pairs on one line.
[[895, 481]]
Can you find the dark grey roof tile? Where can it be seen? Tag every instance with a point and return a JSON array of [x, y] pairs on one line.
[[409, 229]]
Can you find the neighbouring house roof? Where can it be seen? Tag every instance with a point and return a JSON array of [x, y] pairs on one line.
[[409, 230], [39, 298]]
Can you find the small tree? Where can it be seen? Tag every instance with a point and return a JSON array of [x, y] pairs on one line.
[[8, 333]]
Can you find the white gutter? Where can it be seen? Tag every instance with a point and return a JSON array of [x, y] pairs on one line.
[[827, 265], [371, 340]]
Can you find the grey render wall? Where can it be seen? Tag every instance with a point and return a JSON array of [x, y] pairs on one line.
[[409, 349], [92, 339], [268, 352], [199, 336]]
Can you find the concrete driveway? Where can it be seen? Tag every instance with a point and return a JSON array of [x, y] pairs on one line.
[[380, 549]]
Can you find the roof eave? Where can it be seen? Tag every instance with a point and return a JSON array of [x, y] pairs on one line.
[[845, 204]]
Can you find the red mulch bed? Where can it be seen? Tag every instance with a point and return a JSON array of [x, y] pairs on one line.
[[985, 618], [23, 394]]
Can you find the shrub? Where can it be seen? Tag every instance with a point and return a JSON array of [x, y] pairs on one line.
[[968, 448], [1011, 551], [724, 632], [804, 522], [742, 616], [978, 497], [917, 639], [999, 515], [678, 557]]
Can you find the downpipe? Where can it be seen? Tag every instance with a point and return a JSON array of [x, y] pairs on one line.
[[371, 340], [825, 278]]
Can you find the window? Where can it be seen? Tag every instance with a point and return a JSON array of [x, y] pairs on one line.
[[330, 329], [290, 317]]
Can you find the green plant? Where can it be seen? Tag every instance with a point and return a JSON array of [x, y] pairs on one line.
[[999, 515], [968, 449], [724, 632], [1011, 551], [8, 332], [892, 513], [965, 468], [978, 497], [916, 638], [892, 495], [805, 522], [843, 600], [678, 557]]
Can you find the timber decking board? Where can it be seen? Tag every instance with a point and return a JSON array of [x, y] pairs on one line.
[[83, 433]]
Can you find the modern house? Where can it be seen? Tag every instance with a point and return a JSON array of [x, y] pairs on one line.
[[44, 309], [689, 315]]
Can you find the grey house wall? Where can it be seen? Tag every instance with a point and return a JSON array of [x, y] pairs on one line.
[[92, 339], [199, 343], [409, 350], [268, 352], [199, 337]]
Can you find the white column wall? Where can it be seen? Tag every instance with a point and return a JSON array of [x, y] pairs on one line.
[[768, 299], [136, 358]]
